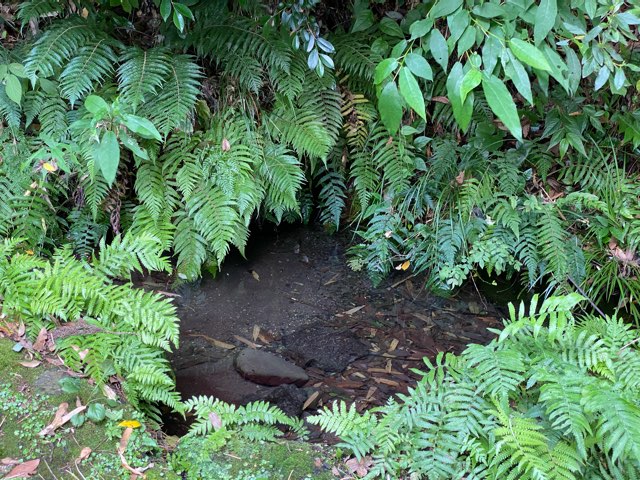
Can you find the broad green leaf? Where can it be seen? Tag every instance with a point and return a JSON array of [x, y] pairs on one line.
[[390, 107], [364, 17], [419, 66], [95, 104], [502, 104], [558, 67], [312, 59], [13, 88], [106, 154], [384, 69], [490, 53], [519, 76], [619, 79], [420, 28], [603, 76], [178, 20], [96, 412], [391, 28], [574, 69], [3, 71], [141, 126], [165, 9], [467, 40], [439, 48], [183, 10], [462, 111], [529, 54], [410, 91], [545, 20], [442, 8], [457, 24], [471, 80], [132, 144], [18, 70], [489, 10]]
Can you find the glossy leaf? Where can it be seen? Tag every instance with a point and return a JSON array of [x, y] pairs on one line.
[[384, 69], [529, 54], [95, 104], [545, 20], [142, 127], [13, 88], [419, 66], [390, 107], [106, 154], [410, 91], [462, 111], [502, 104], [442, 8], [439, 49], [471, 80]]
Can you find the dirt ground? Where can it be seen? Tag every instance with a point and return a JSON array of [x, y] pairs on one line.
[[295, 296]]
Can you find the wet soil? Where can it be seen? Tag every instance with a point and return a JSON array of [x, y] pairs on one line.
[[294, 295]]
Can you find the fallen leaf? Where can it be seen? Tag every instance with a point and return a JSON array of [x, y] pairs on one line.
[[444, 100], [333, 279], [24, 470], [217, 343], [360, 467], [50, 167], [394, 344], [109, 392], [256, 332], [226, 146], [460, 178], [310, 400], [353, 310], [61, 417], [130, 424], [255, 275], [215, 420], [404, 266], [124, 440], [84, 454], [249, 343], [9, 461], [38, 345], [31, 364], [21, 329]]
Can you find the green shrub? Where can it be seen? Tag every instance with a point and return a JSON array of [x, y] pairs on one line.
[[552, 397]]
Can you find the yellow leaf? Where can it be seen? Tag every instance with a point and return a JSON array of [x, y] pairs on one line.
[[29, 252], [130, 424], [405, 265], [49, 167]]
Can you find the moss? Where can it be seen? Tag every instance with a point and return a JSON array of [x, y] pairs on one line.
[[242, 460], [24, 412]]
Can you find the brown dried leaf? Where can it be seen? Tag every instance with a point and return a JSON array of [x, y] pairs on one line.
[[249, 343], [109, 392], [215, 420], [360, 467], [256, 332], [41, 340], [31, 364], [21, 329], [24, 470], [84, 454], [309, 401], [353, 310], [124, 440], [61, 417], [9, 461]]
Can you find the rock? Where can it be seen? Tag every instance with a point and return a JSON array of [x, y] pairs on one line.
[[49, 382], [324, 347], [266, 368], [288, 398]]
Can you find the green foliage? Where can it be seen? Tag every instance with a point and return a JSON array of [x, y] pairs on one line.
[[551, 397], [122, 331]]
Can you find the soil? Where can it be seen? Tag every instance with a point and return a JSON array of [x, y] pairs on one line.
[[294, 295]]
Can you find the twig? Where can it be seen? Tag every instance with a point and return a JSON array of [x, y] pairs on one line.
[[583, 293]]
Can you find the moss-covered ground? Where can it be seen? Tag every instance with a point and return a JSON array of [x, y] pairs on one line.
[[25, 410]]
